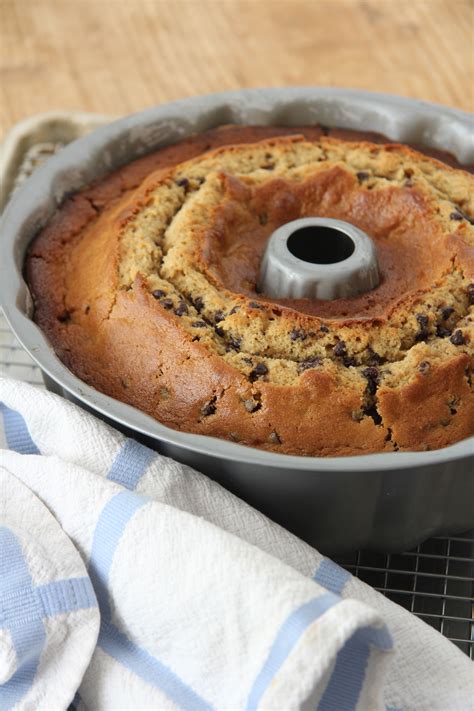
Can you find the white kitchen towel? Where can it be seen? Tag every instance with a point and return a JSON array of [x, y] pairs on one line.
[[204, 603]]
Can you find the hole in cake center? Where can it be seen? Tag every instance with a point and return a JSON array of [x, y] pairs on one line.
[[320, 245]]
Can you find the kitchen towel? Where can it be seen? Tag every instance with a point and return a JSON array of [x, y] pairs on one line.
[[129, 581]]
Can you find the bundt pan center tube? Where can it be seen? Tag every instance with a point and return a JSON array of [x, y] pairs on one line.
[[318, 258], [388, 501]]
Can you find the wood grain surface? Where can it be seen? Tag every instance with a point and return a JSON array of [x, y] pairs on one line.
[[118, 56]]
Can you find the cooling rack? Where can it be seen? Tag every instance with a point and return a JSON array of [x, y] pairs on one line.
[[435, 581]]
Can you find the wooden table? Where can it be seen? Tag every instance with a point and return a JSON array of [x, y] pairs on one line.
[[118, 56]]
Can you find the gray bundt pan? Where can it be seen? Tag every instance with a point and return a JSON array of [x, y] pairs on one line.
[[380, 501]]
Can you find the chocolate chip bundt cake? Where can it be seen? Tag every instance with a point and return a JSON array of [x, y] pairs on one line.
[[146, 286]]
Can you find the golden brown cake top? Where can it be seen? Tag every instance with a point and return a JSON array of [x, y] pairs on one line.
[[192, 235]]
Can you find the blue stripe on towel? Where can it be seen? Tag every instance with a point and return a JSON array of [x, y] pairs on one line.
[[66, 595], [130, 464], [288, 635], [331, 576], [348, 676], [112, 522], [110, 527], [21, 615], [16, 432], [148, 668]]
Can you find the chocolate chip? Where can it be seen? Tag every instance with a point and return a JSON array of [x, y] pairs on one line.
[[256, 305], [158, 293], [324, 329], [371, 373], [457, 339], [233, 310], [340, 349], [274, 438], [167, 304], [198, 303], [263, 218], [247, 360], [183, 183], [424, 366], [220, 331], [65, 316], [219, 316], [442, 332], [235, 342], [362, 175], [298, 335], [199, 324], [309, 363], [181, 309], [259, 370], [446, 312], [408, 173], [421, 336], [269, 166], [209, 408], [462, 215], [423, 322], [252, 405], [470, 293], [87, 309], [348, 361]]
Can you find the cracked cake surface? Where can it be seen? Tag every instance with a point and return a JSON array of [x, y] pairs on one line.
[[145, 284]]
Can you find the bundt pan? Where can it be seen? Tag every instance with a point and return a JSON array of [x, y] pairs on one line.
[[387, 501]]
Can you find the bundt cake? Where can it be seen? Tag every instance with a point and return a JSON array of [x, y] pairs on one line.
[[146, 286]]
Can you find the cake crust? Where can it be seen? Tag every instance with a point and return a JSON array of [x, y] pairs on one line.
[[145, 285]]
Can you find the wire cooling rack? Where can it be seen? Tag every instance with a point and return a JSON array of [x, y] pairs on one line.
[[435, 581]]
